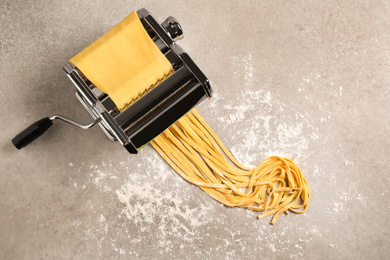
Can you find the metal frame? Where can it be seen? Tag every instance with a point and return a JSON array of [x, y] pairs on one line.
[[100, 106]]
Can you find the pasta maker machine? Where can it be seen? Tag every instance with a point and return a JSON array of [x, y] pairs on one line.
[[150, 115]]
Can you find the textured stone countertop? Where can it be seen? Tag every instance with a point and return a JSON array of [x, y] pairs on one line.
[[305, 79]]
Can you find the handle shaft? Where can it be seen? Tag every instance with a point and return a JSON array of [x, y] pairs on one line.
[[32, 132]]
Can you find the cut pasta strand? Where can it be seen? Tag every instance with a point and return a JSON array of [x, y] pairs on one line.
[[193, 150]]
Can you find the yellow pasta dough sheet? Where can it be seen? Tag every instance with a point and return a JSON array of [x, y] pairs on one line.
[[124, 63]]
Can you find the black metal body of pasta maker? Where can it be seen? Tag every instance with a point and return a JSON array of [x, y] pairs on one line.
[[152, 113]]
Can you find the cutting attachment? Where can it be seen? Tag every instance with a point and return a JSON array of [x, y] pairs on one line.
[[151, 114]]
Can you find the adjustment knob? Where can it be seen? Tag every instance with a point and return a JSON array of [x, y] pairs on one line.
[[172, 26]]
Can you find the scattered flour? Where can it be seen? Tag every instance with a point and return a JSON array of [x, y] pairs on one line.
[[249, 71], [346, 163], [237, 116], [146, 204], [362, 199], [156, 207], [269, 131]]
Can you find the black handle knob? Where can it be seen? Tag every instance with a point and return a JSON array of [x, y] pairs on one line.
[[32, 132]]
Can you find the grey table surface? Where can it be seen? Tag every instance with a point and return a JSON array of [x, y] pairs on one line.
[[308, 80]]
